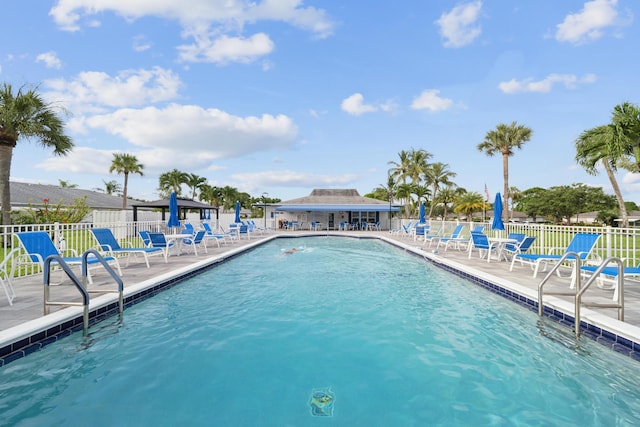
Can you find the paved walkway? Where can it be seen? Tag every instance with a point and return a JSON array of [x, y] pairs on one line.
[[28, 305]]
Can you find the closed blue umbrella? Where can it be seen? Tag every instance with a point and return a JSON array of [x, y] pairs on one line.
[[422, 220], [497, 214], [237, 212], [174, 219]]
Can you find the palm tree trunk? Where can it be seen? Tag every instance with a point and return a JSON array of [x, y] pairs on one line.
[[433, 200], [617, 192], [6, 153], [124, 191], [505, 194]]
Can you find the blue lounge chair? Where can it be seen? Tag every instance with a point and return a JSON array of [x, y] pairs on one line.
[[582, 244], [159, 240], [420, 231], [144, 235], [454, 239], [198, 239], [210, 235], [611, 274], [518, 248], [38, 246], [109, 244], [481, 242]]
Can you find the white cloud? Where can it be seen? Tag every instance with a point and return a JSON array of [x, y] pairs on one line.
[[224, 49], [50, 60], [429, 100], [186, 137], [588, 24], [355, 105], [211, 133], [93, 91], [206, 21], [459, 27], [569, 81], [140, 43]]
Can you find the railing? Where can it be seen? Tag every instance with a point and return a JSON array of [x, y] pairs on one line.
[[81, 286], [617, 242], [579, 290]]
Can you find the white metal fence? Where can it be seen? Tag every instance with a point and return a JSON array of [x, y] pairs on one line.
[[619, 242]]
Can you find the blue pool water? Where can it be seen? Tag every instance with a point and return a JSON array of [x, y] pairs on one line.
[[390, 339]]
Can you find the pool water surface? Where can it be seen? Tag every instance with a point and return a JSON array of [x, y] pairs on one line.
[[391, 339]]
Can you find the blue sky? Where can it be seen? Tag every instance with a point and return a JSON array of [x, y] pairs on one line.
[[283, 96]]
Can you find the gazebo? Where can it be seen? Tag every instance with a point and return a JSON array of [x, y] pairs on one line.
[[183, 206]]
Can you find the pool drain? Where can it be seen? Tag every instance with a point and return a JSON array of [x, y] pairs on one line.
[[322, 402]]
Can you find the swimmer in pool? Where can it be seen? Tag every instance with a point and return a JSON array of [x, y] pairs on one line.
[[290, 251]]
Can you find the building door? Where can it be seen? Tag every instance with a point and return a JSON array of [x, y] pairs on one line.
[[330, 223]]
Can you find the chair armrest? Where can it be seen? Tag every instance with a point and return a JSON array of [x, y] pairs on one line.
[[105, 248], [73, 252]]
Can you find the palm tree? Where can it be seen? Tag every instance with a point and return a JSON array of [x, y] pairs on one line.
[[592, 148], [446, 196], [66, 184], [626, 135], [422, 194], [468, 203], [229, 197], [111, 187], [412, 164], [125, 164], [503, 140], [24, 114], [418, 164], [172, 182], [403, 192], [211, 195], [438, 173], [195, 182]]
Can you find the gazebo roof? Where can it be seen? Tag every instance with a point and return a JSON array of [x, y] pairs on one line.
[[182, 203]]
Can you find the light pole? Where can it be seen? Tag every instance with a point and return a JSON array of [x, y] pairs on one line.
[[264, 208]]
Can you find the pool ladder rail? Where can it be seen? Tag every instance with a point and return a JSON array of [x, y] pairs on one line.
[[81, 285], [579, 289]]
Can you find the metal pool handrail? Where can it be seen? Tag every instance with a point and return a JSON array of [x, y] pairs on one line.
[[579, 290], [80, 285]]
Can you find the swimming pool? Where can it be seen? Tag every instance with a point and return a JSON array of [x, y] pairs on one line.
[[394, 341]]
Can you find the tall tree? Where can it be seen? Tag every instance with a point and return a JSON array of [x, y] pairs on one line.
[[468, 203], [438, 174], [229, 197], [172, 182], [112, 187], [504, 139], [446, 196], [592, 148], [625, 120], [195, 182], [411, 164], [125, 164], [25, 115]]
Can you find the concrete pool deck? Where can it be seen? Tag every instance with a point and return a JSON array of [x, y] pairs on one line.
[[26, 315]]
